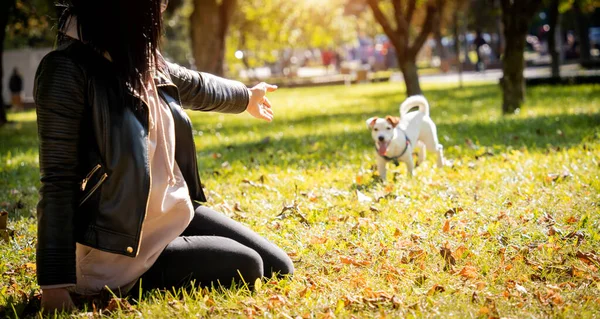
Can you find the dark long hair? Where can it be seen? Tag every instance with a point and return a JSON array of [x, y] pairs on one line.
[[128, 30]]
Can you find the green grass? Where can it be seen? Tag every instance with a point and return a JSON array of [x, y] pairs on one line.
[[525, 189]]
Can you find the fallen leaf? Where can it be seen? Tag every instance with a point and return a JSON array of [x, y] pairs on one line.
[[521, 289], [239, 211], [452, 211], [435, 288], [362, 197], [458, 252], [588, 258], [576, 234], [119, 304], [318, 240], [572, 220], [351, 261], [446, 227], [469, 272], [447, 255]]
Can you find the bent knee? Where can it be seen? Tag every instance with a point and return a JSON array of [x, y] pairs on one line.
[[250, 265], [283, 267]]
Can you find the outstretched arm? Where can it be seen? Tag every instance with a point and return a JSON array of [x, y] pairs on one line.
[[209, 93]]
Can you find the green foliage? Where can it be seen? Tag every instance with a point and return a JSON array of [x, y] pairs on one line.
[[508, 229], [176, 41], [31, 24], [262, 28]]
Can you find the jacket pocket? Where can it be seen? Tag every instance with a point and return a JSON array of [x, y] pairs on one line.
[[95, 187]]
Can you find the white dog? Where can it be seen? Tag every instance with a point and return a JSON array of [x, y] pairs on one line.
[[395, 138]]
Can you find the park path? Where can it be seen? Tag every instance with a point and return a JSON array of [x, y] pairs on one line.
[[495, 75]]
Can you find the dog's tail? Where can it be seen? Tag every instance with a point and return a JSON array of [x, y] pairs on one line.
[[414, 101]]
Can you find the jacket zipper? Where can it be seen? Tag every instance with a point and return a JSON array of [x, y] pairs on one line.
[[89, 175], [93, 190]]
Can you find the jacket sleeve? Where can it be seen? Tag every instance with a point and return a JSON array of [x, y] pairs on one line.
[[206, 92], [60, 100]]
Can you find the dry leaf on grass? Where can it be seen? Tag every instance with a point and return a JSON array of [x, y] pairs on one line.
[[446, 253], [351, 261], [434, 289], [5, 232], [572, 219], [588, 258], [452, 211], [469, 272], [362, 198], [318, 240], [446, 227]]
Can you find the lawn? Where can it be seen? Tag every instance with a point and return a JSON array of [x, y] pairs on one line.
[[509, 228]]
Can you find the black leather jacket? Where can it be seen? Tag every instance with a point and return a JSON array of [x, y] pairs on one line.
[[94, 152]]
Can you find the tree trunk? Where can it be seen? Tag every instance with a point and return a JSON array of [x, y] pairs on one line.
[[553, 17], [500, 30], [209, 23], [516, 16], [411, 77], [513, 64], [5, 7], [583, 32], [439, 47], [455, 33]]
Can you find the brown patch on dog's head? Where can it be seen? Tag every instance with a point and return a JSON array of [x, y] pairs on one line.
[[371, 122], [394, 120]]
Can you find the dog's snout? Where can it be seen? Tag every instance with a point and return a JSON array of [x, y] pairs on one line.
[[380, 138]]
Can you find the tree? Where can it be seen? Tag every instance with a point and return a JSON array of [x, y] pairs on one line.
[[553, 21], [267, 31], [24, 23], [516, 16], [5, 8], [209, 24], [582, 9], [399, 32]]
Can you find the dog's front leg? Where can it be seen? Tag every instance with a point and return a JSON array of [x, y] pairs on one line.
[[410, 166], [440, 155], [381, 167]]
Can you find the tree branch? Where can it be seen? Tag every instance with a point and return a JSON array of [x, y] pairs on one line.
[[412, 4], [227, 9], [430, 19], [506, 6], [385, 24], [397, 11]]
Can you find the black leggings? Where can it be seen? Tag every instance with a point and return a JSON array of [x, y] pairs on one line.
[[215, 250]]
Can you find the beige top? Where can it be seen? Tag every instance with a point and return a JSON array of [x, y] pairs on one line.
[[169, 211]]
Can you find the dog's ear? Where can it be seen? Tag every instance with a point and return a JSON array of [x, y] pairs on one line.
[[371, 122], [394, 120]]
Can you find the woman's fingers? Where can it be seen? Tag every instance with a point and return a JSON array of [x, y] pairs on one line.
[[266, 102], [270, 87], [269, 111], [266, 87]]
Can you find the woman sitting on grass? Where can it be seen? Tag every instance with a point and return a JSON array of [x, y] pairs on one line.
[[120, 191]]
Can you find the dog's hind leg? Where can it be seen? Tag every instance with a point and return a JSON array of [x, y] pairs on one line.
[[422, 153]]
